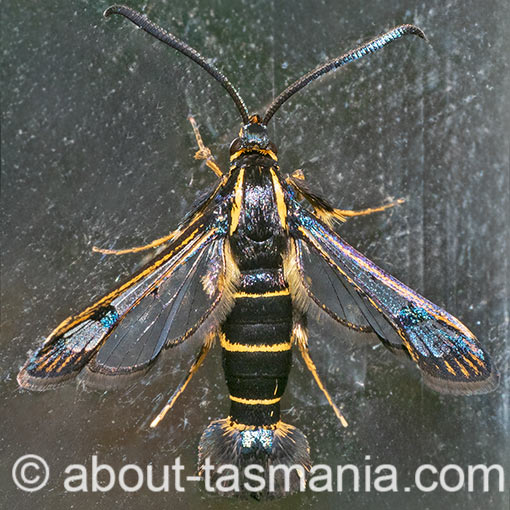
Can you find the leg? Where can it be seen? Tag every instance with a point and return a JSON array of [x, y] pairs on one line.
[[204, 152], [296, 174], [323, 208], [194, 367], [153, 244], [366, 212], [300, 336]]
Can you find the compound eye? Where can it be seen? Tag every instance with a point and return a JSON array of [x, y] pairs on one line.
[[272, 148], [235, 145]]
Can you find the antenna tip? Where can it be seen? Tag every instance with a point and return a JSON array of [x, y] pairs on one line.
[[415, 30], [113, 9]]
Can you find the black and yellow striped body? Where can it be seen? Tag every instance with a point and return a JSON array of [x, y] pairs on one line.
[[257, 352], [256, 336]]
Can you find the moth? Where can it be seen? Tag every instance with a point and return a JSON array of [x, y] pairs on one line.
[[237, 270]]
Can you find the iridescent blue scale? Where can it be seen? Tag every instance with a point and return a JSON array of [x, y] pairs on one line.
[[110, 319], [258, 438], [412, 316]]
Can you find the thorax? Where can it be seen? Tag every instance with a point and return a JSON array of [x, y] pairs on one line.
[[257, 227]]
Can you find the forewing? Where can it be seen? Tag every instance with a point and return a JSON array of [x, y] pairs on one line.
[[448, 354], [125, 330]]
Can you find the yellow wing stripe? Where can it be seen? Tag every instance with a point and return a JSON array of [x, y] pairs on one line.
[[472, 365], [462, 368], [449, 368], [478, 360]]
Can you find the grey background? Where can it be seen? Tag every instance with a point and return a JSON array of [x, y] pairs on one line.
[[96, 149]]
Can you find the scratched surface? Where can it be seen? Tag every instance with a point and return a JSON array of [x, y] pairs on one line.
[[96, 149]]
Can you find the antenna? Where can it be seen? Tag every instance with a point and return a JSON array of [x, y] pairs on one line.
[[370, 47], [151, 28]]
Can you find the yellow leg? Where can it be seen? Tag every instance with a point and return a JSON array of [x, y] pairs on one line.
[[323, 209], [153, 244], [365, 212], [194, 367], [344, 214], [204, 152], [300, 336], [296, 174]]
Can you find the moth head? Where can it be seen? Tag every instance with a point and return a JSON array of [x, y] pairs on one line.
[[253, 137]]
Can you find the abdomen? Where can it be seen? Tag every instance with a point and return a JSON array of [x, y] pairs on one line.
[[256, 342]]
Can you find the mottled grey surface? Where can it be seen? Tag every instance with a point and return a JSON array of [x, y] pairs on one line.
[[96, 149]]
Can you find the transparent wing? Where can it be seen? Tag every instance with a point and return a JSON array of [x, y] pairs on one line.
[[318, 286], [125, 330], [176, 309], [448, 354]]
